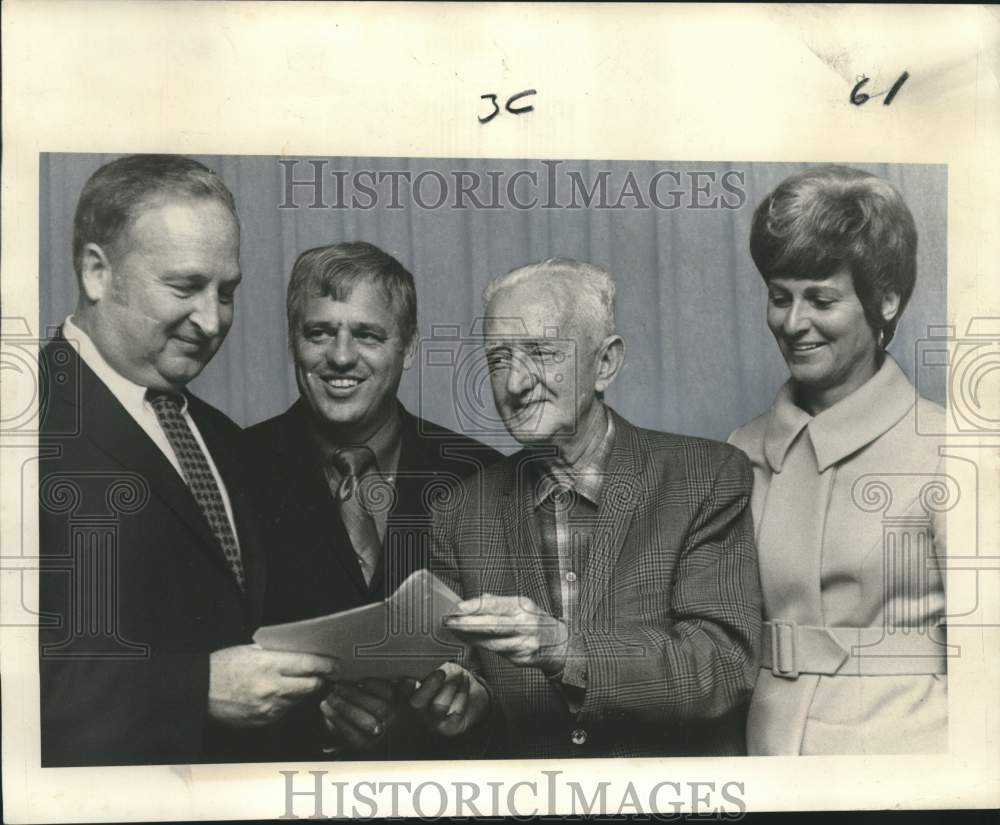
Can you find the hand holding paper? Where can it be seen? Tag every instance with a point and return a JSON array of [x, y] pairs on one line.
[[513, 627], [249, 686]]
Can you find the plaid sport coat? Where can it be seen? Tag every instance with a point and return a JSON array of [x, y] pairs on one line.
[[670, 604]]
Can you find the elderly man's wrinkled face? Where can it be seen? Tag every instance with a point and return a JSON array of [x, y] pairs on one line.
[[543, 365]]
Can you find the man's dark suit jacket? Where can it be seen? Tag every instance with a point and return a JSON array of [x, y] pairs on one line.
[[135, 591], [669, 606], [312, 569]]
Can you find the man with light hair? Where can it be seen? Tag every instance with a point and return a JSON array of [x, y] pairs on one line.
[[608, 572], [345, 476]]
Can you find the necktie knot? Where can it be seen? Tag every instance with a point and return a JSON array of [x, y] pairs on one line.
[[165, 402], [352, 463]]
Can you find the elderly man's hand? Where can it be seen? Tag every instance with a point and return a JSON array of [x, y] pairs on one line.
[[513, 627], [449, 699]]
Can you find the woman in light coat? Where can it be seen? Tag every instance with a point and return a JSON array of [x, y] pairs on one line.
[[847, 492]]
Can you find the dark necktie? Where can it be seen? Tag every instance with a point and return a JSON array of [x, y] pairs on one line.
[[198, 475], [352, 463]]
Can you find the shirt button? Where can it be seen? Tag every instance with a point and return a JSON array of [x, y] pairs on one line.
[[571, 576], [579, 736]]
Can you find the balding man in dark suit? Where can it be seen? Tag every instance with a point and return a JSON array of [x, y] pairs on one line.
[[152, 571]]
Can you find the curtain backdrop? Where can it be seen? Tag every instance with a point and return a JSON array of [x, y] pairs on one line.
[[691, 306]]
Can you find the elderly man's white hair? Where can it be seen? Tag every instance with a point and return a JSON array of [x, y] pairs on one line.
[[588, 287]]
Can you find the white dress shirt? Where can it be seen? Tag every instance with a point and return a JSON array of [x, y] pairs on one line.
[[132, 397]]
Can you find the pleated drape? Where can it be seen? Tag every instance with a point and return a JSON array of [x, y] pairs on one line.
[[691, 305]]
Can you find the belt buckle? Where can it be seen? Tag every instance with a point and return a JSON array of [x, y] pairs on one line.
[[776, 648]]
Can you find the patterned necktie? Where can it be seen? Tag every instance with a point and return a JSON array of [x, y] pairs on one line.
[[352, 463], [198, 475]]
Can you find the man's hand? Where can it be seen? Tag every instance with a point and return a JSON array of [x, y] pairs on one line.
[[358, 715], [250, 687], [450, 700], [513, 627]]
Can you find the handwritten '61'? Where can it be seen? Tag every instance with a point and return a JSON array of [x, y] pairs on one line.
[[858, 97]]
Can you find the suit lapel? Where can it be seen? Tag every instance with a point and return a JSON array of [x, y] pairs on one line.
[[421, 471], [520, 530], [416, 466], [109, 427], [304, 474], [409, 514], [618, 501]]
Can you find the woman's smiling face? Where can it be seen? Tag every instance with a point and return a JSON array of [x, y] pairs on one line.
[[823, 334]]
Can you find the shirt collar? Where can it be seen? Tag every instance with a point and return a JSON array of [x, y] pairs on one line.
[[586, 476], [386, 444], [847, 426], [131, 395]]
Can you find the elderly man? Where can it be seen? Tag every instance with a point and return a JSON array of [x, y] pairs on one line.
[[151, 578], [352, 324], [608, 571]]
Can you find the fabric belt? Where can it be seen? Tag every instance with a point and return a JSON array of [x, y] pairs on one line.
[[790, 649]]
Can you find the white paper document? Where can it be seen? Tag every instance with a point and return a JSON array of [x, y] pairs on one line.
[[403, 636]]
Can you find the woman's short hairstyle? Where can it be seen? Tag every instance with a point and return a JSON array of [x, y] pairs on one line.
[[591, 286], [829, 218], [334, 271], [116, 194]]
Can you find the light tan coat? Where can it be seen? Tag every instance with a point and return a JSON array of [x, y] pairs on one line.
[[848, 508]]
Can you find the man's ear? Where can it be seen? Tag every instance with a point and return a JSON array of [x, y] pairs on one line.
[[610, 359], [411, 351], [95, 273], [890, 306]]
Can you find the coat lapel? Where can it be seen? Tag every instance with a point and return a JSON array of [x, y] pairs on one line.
[[303, 472], [408, 522], [416, 467], [109, 427], [520, 530], [618, 502], [867, 413]]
